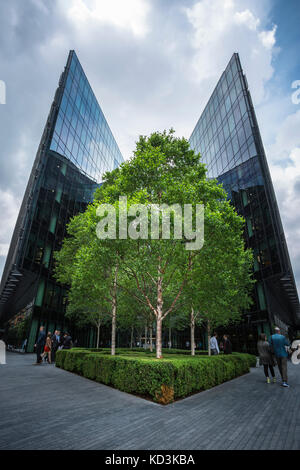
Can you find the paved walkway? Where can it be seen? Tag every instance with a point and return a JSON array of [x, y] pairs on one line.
[[43, 407]]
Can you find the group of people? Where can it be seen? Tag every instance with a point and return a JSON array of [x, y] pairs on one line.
[[47, 345], [225, 344], [272, 352]]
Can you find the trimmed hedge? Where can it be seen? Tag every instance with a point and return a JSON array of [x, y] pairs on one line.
[[161, 380]]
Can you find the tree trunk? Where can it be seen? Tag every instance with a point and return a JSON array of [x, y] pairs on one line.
[[113, 333], [114, 315], [98, 333], [158, 337], [208, 337], [151, 338], [192, 333], [131, 338], [170, 338], [146, 336], [159, 315]]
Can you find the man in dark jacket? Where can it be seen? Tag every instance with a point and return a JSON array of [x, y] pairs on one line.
[[227, 346], [55, 343], [67, 341], [40, 345]]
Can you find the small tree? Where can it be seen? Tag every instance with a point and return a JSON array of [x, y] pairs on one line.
[[93, 291], [164, 170], [221, 283]]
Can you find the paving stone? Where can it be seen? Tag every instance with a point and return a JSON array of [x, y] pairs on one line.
[[43, 407]]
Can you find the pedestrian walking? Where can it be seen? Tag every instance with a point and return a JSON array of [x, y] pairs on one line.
[[214, 347], [55, 340], [39, 345], [227, 346], [47, 348], [278, 344], [266, 358]]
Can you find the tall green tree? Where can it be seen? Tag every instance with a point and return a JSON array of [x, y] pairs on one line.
[[164, 170], [155, 271], [91, 272], [221, 281]]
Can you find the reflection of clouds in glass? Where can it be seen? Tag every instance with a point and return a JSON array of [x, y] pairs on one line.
[[81, 131], [2, 92]]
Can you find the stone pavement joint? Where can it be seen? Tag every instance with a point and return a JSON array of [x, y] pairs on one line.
[[43, 407]]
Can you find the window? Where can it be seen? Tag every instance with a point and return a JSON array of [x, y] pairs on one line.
[[242, 104], [252, 149], [233, 94], [235, 144], [237, 114], [231, 123]]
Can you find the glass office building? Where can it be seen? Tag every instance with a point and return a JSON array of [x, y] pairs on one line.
[[228, 138], [76, 148]]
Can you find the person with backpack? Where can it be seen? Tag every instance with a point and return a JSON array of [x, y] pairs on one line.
[[266, 357], [278, 344]]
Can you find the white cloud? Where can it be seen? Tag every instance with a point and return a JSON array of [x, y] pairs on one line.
[[284, 162], [4, 249], [129, 14], [285, 181], [9, 209], [247, 18], [268, 38], [287, 139], [221, 28]]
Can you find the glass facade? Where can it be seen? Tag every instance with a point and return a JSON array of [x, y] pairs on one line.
[[76, 148], [81, 132], [228, 138]]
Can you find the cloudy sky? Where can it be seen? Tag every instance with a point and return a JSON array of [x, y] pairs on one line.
[[153, 65]]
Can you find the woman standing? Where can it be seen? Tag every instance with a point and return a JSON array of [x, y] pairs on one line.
[[227, 346], [265, 357], [47, 349]]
